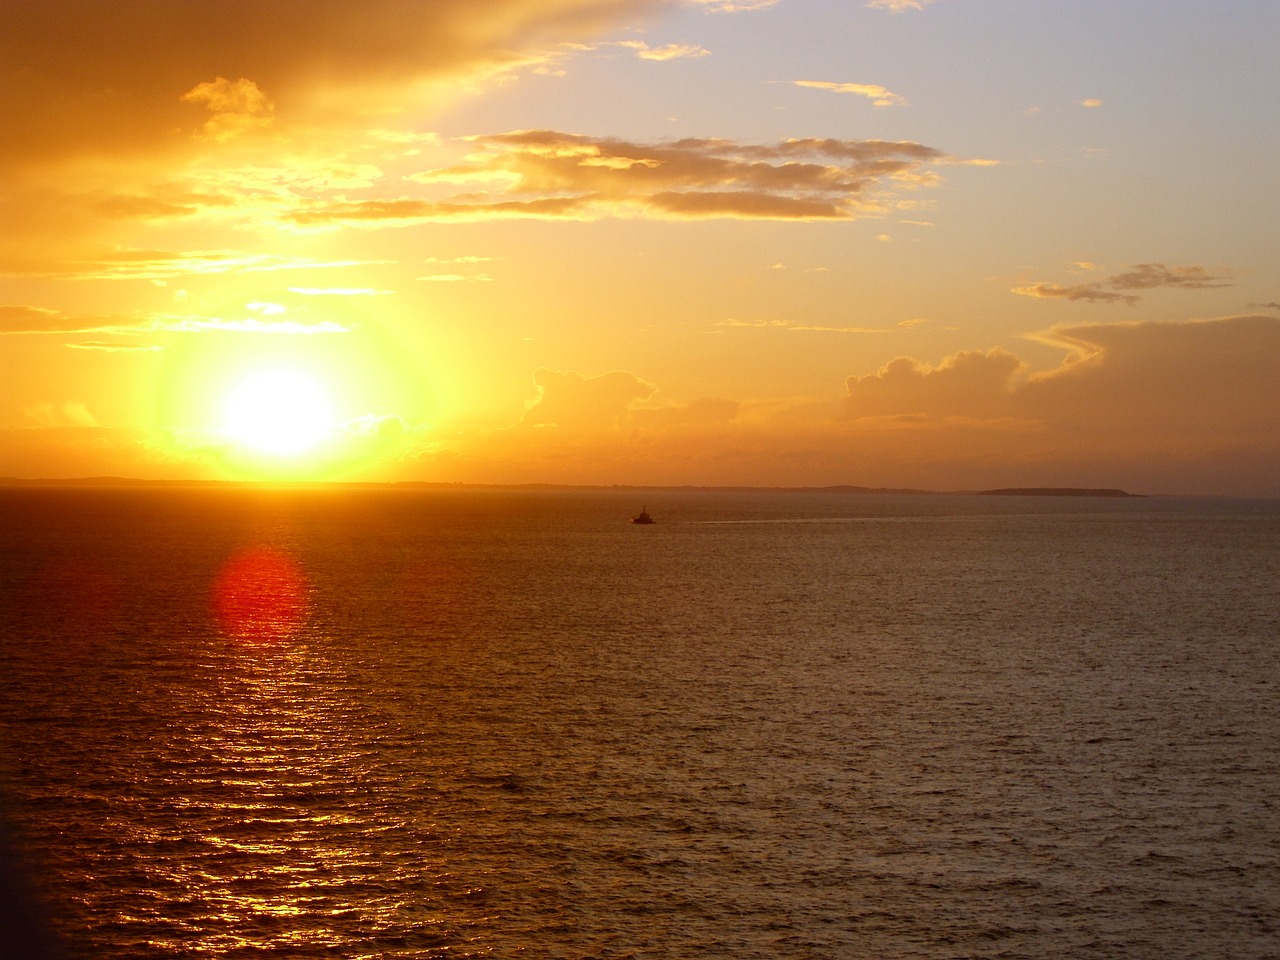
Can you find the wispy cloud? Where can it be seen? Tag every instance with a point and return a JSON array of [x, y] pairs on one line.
[[732, 6], [880, 96], [340, 291], [1091, 292], [465, 263], [553, 175], [1144, 276], [639, 48], [17, 319], [70, 413], [670, 51], [792, 325], [166, 264], [898, 6], [247, 325], [111, 346]]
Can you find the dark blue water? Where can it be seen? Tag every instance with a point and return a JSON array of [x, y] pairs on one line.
[[418, 723]]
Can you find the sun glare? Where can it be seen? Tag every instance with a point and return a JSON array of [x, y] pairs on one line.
[[278, 412]]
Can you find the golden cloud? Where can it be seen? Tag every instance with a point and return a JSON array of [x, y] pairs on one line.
[[340, 292], [1144, 276], [881, 96], [550, 174], [166, 264], [237, 108], [969, 384], [670, 51], [84, 78], [1091, 292], [1150, 382], [732, 6], [898, 6], [574, 402], [18, 319]]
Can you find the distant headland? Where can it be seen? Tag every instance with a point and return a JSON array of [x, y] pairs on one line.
[[1057, 492]]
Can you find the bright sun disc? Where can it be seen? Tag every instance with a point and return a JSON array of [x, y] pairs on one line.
[[278, 412]]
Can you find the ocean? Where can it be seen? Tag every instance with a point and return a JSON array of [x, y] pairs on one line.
[[463, 723]]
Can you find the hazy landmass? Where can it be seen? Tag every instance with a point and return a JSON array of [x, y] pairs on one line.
[[443, 485], [1057, 492]]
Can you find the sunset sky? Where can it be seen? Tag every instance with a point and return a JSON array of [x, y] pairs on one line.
[[947, 244]]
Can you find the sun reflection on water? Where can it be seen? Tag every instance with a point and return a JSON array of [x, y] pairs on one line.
[[260, 596]]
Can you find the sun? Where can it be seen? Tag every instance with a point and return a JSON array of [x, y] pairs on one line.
[[279, 412]]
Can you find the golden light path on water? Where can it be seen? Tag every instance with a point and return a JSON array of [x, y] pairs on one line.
[[287, 801]]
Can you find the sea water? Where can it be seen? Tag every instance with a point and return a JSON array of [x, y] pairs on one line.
[[390, 722]]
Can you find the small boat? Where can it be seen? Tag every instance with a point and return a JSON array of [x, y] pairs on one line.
[[643, 516]]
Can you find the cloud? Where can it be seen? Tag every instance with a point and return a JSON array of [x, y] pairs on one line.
[[794, 326], [340, 291], [239, 112], [17, 319], [237, 108], [574, 402], [1156, 407], [380, 426], [1150, 383], [705, 411], [455, 277], [1091, 103], [969, 384], [166, 264], [83, 79], [898, 6], [21, 318], [1144, 276], [670, 51], [247, 325], [67, 414], [1148, 275], [553, 175], [880, 96], [1092, 292], [266, 308], [732, 6], [115, 347]]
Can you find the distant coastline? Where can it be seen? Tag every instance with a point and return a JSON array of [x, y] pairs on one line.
[[1057, 492], [136, 483]]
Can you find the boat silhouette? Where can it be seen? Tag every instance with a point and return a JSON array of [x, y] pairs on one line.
[[643, 516]]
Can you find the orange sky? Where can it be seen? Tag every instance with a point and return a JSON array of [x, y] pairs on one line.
[[916, 243]]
